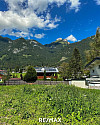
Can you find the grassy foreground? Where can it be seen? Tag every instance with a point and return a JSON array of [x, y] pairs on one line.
[[25, 104]]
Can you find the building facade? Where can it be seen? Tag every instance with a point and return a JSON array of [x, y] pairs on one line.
[[94, 67], [50, 71]]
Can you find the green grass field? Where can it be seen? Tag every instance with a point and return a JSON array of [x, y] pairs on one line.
[[25, 104]]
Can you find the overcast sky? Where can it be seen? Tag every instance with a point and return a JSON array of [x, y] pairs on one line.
[[47, 20]]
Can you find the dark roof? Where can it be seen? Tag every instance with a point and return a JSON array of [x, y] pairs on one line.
[[97, 58], [47, 69]]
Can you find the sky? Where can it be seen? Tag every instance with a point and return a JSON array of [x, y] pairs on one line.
[[48, 20]]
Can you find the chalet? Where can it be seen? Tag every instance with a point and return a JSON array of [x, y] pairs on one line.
[[49, 72], [94, 67]]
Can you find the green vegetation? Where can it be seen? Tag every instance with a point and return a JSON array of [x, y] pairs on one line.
[[31, 75], [27, 55], [17, 75], [94, 47], [64, 71], [74, 68], [21, 52], [25, 104], [3, 56], [75, 64], [44, 74]]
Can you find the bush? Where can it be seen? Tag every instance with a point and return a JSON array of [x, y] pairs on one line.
[[59, 79], [31, 75]]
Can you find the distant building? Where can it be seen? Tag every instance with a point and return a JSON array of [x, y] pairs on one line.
[[0, 79], [2, 73], [94, 67], [50, 71]]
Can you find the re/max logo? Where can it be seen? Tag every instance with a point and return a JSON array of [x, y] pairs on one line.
[[49, 119]]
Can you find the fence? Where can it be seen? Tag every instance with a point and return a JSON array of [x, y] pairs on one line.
[[51, 82], [94, 87], [15, 82]]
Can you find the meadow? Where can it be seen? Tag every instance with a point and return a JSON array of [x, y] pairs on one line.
[[25, 104]]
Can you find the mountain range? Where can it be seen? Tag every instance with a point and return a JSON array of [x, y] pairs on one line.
[[21, 52]]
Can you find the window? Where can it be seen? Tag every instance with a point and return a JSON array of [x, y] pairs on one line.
[[99, 67], [93, 70]]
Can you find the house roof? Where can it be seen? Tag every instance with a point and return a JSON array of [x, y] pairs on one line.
[[47, 69], [97, 58], [15, 79], [2, 72]]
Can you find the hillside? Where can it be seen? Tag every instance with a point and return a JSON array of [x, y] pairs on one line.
[[64, 50], [23, 52]]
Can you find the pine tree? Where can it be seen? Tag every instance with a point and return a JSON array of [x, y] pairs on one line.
[[17, 69], [75, 64]]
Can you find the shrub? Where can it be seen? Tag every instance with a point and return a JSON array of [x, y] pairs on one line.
[[31, 75]]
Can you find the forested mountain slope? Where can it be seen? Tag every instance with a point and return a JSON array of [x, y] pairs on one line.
[[21, 52]]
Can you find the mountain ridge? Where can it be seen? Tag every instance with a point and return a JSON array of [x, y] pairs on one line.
[[24, 52]]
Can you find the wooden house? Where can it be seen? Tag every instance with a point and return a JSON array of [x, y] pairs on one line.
[[50, 71]]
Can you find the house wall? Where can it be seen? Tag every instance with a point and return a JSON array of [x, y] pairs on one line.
[[96, 69], [42, 77]]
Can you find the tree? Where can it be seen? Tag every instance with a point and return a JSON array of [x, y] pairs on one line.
[[56, 75], [52, 78], [64, 71], [75, 64], [94, 48], [21, 76], [21, 70], [44, 74], [31, 75], [7, 76], [17, 69]]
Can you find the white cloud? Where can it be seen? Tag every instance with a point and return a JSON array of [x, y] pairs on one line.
[[98, 2], [75, 4], [71, 38], [39, 36], [23, 15]]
